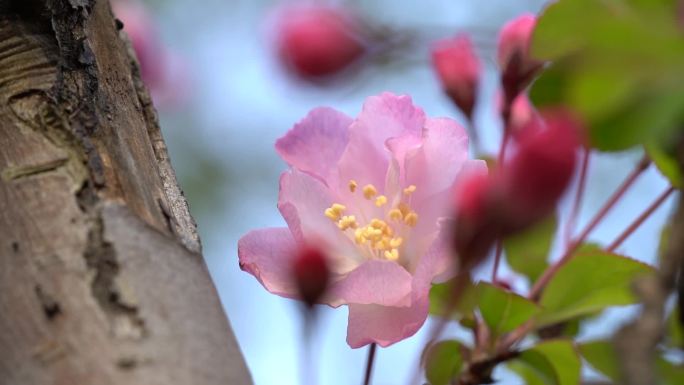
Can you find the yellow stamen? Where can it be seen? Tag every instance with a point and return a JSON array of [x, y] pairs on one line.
[[347, 222], [411, 218], [334, 212], [338, 207], [396, 242], [396, 215], [410, 189], [380, 201], [359, 237], [352, 185], [392, 255], [369, 191]]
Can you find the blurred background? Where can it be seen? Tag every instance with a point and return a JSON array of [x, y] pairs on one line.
[[224, 97]]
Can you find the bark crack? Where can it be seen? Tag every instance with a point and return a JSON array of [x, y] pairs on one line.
[[100, 256]]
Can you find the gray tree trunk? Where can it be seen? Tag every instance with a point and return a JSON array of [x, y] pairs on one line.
[[101, 275]]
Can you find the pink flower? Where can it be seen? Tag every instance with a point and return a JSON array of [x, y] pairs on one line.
[[314, 40], [518, 68], [164, 72], [371, 191], [459, 70]]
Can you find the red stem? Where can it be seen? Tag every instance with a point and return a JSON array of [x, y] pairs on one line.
[[640, 219], [369, 363], [551, 271], [581, 185], [506, 118]]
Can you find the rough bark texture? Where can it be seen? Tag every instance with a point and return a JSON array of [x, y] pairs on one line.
[[101, 276]]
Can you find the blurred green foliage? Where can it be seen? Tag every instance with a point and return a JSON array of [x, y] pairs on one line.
[[618, 64]]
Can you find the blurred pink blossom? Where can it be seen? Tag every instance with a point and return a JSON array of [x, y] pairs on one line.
[[314, 40], [372, 192], [459, 70], [164, 72]]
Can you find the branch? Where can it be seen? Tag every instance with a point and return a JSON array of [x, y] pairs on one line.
[[636, 342]]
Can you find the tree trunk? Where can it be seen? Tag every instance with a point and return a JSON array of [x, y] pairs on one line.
[[101, 276]]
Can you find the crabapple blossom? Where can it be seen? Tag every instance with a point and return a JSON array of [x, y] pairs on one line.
[[372, 193]]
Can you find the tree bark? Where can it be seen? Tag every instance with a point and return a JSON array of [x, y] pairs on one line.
[[101, 275]]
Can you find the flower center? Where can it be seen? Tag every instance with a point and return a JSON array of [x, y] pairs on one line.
[[378, 237]]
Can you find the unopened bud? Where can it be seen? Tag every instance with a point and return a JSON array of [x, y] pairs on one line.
[[459, 71], [524, 118], [474, 228], [537, 175], [518, 68], [311, 274], [316, 41]]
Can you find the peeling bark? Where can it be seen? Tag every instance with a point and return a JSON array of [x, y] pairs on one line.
[[101, 276]]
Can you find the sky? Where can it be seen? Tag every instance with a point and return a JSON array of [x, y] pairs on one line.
[[235, 102]]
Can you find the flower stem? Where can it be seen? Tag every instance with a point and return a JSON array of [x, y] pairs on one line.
[[369, 363], [505, 117], [640, 219], [497, 259], [617, 195], [581, 185]]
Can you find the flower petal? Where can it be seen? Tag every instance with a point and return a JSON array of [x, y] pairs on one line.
[[385, 325], [375, 282], [435, 166], [366, 157], [440, 204], [316, 143], [267, 255], [302, 202]]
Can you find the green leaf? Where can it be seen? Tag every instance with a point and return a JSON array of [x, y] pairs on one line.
[[564, 359], [552, 38], [443, 362], [601, 356], [551, 362], [503, 310], [527, 252], [534, 369], [588, 283], [442, 294], [549, 88], [670, 373], [621, 71], [667, 164]]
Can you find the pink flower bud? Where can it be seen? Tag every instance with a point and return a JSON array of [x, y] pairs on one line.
[[315, 41], [459, 70], [518, 68], [523, 116], [475, 228], [311, 274], [536, 176]]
